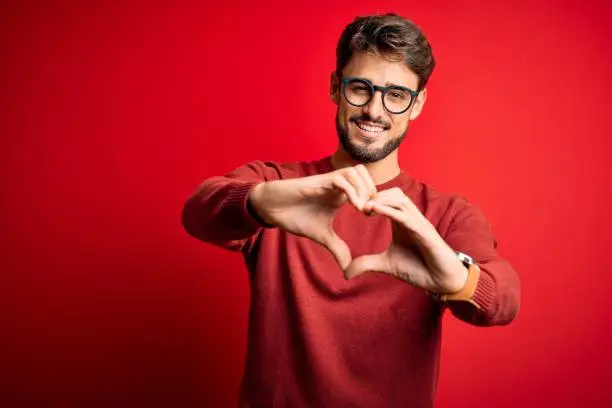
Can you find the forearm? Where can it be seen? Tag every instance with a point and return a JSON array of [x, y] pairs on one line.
[[488, 294], [447, 272], [494, 297], [216, 213]]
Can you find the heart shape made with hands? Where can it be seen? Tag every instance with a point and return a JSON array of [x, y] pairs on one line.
[[403, 258], [410, 255], [307, 207]]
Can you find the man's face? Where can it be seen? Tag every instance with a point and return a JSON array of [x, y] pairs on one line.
[[370, 133]]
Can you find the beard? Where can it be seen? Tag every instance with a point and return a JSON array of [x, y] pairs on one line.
[[363, 153]]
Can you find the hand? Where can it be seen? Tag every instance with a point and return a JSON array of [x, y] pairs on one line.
[[307, 206], [417, 254]]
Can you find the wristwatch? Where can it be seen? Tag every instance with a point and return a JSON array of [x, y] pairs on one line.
[[465, 259], [464, 294]]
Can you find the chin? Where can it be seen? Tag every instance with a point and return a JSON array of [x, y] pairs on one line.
[[367, 148]]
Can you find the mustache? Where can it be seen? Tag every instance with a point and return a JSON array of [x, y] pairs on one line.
[[368, 118]]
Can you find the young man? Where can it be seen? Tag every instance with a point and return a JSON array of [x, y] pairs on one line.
[[352, 261]]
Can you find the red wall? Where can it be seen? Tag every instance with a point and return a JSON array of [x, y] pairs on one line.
[[113, 112]]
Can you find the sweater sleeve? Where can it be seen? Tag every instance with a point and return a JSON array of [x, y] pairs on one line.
[[217, 212], [498, 287]]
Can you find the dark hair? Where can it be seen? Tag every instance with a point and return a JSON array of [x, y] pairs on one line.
[[391, 36]]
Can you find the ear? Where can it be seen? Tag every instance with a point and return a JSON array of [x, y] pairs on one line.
[[334, 88], [417, 107]]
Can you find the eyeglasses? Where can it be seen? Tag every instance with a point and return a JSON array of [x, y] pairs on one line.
[[396, 99]]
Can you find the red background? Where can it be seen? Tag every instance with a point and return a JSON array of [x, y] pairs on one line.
[[113, 112]]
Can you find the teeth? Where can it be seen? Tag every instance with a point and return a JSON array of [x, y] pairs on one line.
[[369, 127]]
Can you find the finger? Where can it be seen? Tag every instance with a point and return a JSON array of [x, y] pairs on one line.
[[367, 263], [400, 196], [343, 184], [338, 248], [367, 178], [396, 214], [370, 186], [396, 198], [393, 200], [356, 179]]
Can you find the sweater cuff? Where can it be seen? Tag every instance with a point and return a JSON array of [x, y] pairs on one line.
[[239, 196], [485, 291], [479, 290]]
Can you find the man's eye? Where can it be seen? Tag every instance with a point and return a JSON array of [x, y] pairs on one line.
[[398, 95], [361, 88]]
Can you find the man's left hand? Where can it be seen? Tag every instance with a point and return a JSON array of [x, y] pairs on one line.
[[417, 254]]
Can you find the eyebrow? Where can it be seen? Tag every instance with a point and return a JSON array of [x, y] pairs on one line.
[[387, 84], [392, 84]]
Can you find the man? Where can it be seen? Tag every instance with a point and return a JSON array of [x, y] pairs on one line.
[[352, 261]]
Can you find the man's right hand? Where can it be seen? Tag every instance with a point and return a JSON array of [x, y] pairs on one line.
[[307, 206]]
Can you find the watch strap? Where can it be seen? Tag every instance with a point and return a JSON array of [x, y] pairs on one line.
[[466, 293]]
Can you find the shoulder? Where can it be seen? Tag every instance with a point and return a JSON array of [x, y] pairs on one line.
[[447, 208], [431, 196]]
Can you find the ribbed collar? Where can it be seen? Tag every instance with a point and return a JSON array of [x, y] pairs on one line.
[[402, 180]]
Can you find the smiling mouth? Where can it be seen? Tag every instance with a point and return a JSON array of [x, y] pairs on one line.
[[370, 129]]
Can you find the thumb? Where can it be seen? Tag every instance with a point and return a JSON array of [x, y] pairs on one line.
[[365, 263], [338, 248]]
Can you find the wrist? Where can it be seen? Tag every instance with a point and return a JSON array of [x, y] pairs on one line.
[[450, 273], [456, 280], [466, 293], [254, 205]]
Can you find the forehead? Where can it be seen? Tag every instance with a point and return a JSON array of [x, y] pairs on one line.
[[380, 71]]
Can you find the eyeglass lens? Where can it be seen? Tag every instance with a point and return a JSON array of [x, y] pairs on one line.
[[359, 93]]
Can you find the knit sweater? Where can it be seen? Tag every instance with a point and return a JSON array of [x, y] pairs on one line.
[[316, 339]]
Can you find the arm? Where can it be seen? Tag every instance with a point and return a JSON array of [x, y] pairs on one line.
[[496, 291], [218, 212], [424, 256]]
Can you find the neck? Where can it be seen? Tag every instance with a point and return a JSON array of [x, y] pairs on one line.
[[381, 171]]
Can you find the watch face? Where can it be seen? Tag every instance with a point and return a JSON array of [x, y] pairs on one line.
[[466, 259]]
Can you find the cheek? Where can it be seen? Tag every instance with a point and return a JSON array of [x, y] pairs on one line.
[[348, 111], [344, 113], [400, 124]]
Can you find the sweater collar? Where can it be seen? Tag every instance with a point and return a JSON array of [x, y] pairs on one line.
[[402, 180]]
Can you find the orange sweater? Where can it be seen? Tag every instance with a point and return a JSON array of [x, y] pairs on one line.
[[318, 340]]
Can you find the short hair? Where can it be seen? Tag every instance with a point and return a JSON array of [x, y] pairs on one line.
[[390, 36]]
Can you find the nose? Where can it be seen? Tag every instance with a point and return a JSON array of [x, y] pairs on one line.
[[375, 107]]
